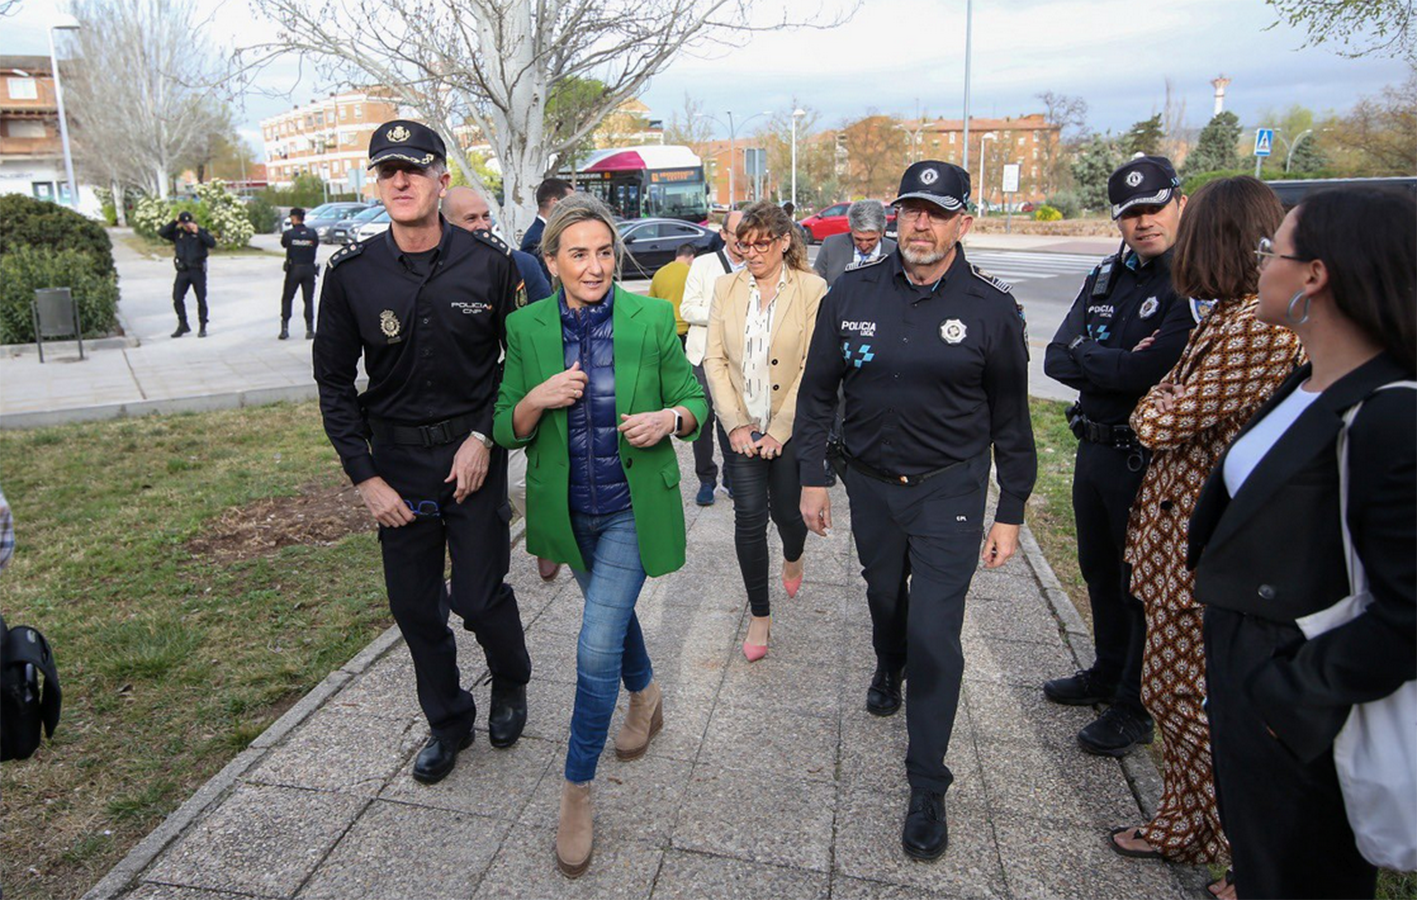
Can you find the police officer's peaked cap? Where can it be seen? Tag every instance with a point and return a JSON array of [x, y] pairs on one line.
[[1146, 180], [411, 142], [184, 216], [943, 184]]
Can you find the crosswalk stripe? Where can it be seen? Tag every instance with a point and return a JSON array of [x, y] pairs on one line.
[[1017, 266]]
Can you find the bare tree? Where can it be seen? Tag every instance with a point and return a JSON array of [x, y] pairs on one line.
[[494, 63], [688, 127], [1069, 115], [1362, 27], [1176, 141], [876, 154], [140, 92]]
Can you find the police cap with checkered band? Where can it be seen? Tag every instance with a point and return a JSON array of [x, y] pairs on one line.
[[1144, 181], [408, 141], [943, 184]]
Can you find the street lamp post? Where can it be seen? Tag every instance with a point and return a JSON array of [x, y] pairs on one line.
[[983, 189], [796, 114], [968, 41], [65, 23], [732, 148], [1289, 157]]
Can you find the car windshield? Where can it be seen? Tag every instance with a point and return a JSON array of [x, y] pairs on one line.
[[367, 215], [318, 211]]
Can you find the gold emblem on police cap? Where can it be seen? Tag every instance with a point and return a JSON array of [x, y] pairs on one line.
[[389, 323], [398, 134]]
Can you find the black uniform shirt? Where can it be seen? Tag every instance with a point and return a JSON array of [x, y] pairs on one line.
[[932, 375], [1109, 377], [430, 335], [190, 249], [300, 243]]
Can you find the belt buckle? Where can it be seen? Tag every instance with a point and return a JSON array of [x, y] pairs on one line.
[[435, 434]]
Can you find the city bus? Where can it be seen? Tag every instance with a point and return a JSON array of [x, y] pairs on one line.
[[646, 182]]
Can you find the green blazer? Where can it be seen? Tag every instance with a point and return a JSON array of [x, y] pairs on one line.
[[651, 373]]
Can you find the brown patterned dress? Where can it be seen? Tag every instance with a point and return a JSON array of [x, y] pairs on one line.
[[1231, 365]]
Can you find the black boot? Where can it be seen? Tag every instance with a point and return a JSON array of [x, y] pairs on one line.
[[309, 331], [182, 328], [508, 716], [883, 698], [437, 758], [284, 331], [926, 833], [202, 330], [1117, 731]]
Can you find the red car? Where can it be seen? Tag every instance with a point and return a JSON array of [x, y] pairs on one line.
[[832, 220]]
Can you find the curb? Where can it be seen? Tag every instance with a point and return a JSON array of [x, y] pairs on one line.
[[201, 403], [121, 876], [112, 342]]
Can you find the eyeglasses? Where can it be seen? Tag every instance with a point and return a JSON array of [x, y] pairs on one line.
[[756, 246], [932, 216], [1265, 252], [423, 507]]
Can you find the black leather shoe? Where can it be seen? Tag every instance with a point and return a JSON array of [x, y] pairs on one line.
[[926, 833], [883, 698], [284, 333], [508, 716], [1082, 688], [1116, 732], [202, 330], [182, 328], [309, 334], [437, 759]]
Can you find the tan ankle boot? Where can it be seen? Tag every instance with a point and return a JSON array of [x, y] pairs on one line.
[[642, 723], [574, 834]]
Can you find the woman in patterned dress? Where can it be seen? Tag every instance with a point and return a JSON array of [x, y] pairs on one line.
[[1231, 365]]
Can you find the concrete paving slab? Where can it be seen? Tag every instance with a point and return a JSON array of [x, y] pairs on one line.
[[486, 781], [634, 800], [1007, 712], [752, 816], [774, 684], [172, 892], [386, 690], [782, 744], [692, 876], [372, 748], [1061, 784], [525, 869], [1047, 860]]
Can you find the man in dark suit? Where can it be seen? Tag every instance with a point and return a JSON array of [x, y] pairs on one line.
[[548, 194], [863, 243]]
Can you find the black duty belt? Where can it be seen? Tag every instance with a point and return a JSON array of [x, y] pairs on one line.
[[1120, 436], [434, 435], [908, 480]]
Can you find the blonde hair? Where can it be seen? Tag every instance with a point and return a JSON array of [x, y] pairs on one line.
[[576, 208], [766, 217]]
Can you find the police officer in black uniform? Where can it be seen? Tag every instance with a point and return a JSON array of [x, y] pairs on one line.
[[425, 303], [932, 357], [1126, 329], [301, 244], [190, 245]]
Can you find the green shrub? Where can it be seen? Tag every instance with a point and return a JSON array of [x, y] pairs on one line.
[[264, 217], [25, 268], [1046, 213], [1193, 183], [1067, 203], [48, 226]]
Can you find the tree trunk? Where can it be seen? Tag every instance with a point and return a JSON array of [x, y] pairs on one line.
[[120, 196]]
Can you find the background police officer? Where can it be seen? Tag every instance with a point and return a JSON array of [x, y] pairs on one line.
[[1126, 329], [425, 304], [301, 243], [190, 245], [932, 356]]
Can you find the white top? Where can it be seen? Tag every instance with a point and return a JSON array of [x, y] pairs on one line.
[[757, 367], [1252, 446]]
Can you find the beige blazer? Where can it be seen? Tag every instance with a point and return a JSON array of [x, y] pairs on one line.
[[793, 322]]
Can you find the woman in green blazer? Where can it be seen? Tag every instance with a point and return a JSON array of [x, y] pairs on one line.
[[595, 381]]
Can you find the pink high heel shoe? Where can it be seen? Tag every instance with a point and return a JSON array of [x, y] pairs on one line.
[[794, 585], [755, 652]]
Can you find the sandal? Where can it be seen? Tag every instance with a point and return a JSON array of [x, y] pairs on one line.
[[1223, 882], [1132, 854]]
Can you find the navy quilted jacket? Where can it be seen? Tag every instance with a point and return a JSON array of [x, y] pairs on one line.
[[598, 484]]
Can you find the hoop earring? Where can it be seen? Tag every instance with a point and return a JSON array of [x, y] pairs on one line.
[[1289, 313]]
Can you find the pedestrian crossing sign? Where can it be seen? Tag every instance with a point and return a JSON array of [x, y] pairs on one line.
[[1264, 141]]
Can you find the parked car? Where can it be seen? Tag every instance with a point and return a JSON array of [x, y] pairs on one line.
[[652, 243], [832, 220], [376, 225], [325, 216], [342, 232]]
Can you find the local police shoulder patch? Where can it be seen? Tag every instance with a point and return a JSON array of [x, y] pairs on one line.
[[865, 264], [997, 284], [493, 241], [349, 252]]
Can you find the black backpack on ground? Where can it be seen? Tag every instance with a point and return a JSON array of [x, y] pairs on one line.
[[26, 703]]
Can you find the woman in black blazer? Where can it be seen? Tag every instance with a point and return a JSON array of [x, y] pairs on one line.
[[1267, 544]]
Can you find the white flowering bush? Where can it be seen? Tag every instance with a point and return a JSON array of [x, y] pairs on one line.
[[150, 214], [221, 213]]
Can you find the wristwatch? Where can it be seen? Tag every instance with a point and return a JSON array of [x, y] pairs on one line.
[[678, 422], [486, 441]]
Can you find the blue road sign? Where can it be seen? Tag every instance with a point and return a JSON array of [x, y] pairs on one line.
[[1264, 141]]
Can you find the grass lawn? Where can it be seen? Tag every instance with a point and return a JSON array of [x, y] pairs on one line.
[[195, 575], [1050, 517]]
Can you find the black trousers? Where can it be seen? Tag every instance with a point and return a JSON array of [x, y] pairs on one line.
[[1289, 835], [919, 547], [476, 536], [196, 278], [1104, 489], [302, 277], [704, 466], [763, 487]]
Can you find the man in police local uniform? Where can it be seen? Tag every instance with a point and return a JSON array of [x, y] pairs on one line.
[[425, 303], [301, 243], [932, 357], [1125, 331]]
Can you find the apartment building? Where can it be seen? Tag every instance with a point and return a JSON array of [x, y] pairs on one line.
[[327, 138], [31, 154]]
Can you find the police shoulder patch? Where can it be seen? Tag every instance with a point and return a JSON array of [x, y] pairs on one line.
[[493, 241], [865, 264], [348, 252], [997, 284]]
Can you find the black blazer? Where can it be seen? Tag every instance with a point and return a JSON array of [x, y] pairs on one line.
[[1275, 552]]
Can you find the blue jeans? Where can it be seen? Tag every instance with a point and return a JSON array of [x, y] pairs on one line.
[[611, 648]]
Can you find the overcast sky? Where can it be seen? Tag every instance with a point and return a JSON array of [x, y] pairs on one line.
[[895, 54]]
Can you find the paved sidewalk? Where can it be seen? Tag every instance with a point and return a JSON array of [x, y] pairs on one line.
[[768, 780]]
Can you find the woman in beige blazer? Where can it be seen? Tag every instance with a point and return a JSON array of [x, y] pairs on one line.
[[760, 326]]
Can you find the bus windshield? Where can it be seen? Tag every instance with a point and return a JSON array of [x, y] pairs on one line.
[[687, 200]]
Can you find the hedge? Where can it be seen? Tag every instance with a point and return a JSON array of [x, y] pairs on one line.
[[24, 268], [50, 227]]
